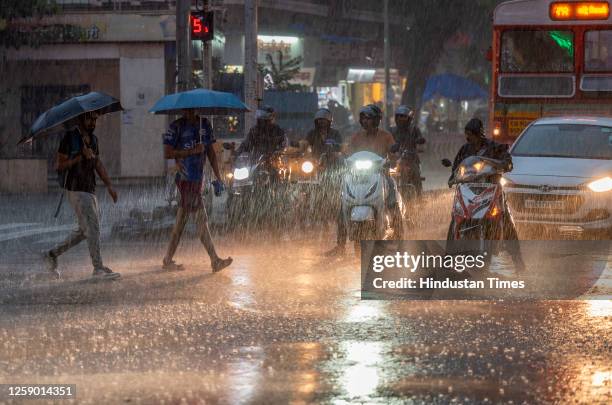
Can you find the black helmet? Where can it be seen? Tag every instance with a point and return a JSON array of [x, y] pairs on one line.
[[475, 126]]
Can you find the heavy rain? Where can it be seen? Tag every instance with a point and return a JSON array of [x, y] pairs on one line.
[[209, 201]]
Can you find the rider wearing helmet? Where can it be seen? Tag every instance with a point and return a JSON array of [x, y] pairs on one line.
[[406, 132], [323, 133], [407, 136], [478, 145], [266, 137], [373, 139]]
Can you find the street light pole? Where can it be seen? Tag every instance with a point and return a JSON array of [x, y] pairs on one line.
[[183, 45], [250, 61], [387, 56]]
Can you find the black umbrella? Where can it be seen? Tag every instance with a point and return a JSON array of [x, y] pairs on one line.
[[70, 109]]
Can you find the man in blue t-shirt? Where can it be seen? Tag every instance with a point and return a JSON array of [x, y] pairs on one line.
[[186, 145]]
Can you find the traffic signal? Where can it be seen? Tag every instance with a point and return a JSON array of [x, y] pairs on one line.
[[202, 25]]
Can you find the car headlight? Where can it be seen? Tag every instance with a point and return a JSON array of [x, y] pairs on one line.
[[363, 164], [307, 167], [241, 173], [601, 185]]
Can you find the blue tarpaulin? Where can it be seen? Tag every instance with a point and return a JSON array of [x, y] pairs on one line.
[[453, 87]]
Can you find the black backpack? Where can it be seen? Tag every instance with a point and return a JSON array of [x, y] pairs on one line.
[[75, 149]]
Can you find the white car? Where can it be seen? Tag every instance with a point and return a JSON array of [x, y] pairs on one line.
[[562, 175]]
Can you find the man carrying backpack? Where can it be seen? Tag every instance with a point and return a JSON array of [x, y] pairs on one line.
[[77, 164]]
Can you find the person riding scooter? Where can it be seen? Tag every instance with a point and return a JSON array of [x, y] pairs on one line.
[[478, 145], [322, 133], [408, 136], [373, 139], [265, 139]]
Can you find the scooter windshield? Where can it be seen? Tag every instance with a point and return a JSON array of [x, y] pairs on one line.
[[474, 169]]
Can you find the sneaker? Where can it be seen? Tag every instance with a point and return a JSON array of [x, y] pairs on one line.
[[339, 250], [172, 266], [50, 263], [220, 264], [105, 273]]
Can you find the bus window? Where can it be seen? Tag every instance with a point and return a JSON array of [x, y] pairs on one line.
[[537, 51], [598, 51]]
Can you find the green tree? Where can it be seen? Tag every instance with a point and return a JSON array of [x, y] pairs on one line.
[[434, 23], [282, 72]]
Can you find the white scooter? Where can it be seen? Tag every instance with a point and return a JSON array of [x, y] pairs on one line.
[[364, 195]]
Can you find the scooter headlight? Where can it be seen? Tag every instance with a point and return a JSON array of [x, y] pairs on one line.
[[307, 167], [363, 164], [371, 190], [601, 185], [241, 173]]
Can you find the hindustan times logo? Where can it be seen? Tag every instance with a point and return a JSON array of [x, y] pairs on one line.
[[414, 263]]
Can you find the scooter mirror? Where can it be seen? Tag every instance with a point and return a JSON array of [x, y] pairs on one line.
[[446, 163], [229, 145]]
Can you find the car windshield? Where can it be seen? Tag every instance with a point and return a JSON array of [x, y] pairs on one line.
[[566, 140]]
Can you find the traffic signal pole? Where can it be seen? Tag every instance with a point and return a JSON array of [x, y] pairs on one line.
[[207, 58], [183, 45], [250, 61]]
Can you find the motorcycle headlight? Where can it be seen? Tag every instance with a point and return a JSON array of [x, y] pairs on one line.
[[307, 167], [503, 181], [363, 164], [601, 185], [478, 166], [392, 170], [241, 173]]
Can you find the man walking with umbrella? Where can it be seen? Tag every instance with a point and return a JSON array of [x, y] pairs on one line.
[[187, 145], [77, 162]]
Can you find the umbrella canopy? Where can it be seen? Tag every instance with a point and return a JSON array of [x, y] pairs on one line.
[[70, 109], [453, 87], [207, 102]]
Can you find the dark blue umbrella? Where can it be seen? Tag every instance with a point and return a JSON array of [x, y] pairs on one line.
[[207, 102], [70, 109]]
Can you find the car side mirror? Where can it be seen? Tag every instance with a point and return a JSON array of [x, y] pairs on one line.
[[446, 163]]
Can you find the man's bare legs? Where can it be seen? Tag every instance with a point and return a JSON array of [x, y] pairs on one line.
[[203, 234], [177, 231], [216, 262]]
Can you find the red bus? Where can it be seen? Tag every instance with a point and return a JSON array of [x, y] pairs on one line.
[[549, 58]]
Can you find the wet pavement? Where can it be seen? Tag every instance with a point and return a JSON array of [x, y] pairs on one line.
[[283, 324]]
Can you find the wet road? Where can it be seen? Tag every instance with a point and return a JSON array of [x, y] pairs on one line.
[[284, 324]]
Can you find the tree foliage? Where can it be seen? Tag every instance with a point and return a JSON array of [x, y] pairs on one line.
[[12, 10], [281, 72], [433, 23]]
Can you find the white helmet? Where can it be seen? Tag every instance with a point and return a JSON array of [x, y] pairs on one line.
[[323, 113]]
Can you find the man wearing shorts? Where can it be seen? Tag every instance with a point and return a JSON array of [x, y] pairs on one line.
[[184, 143]]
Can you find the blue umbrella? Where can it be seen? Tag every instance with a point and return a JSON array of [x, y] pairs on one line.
[[207, 102], [70, 109]]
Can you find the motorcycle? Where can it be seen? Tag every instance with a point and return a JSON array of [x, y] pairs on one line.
[[256, 188], [478, 205], [407, 173], [364, 199]]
